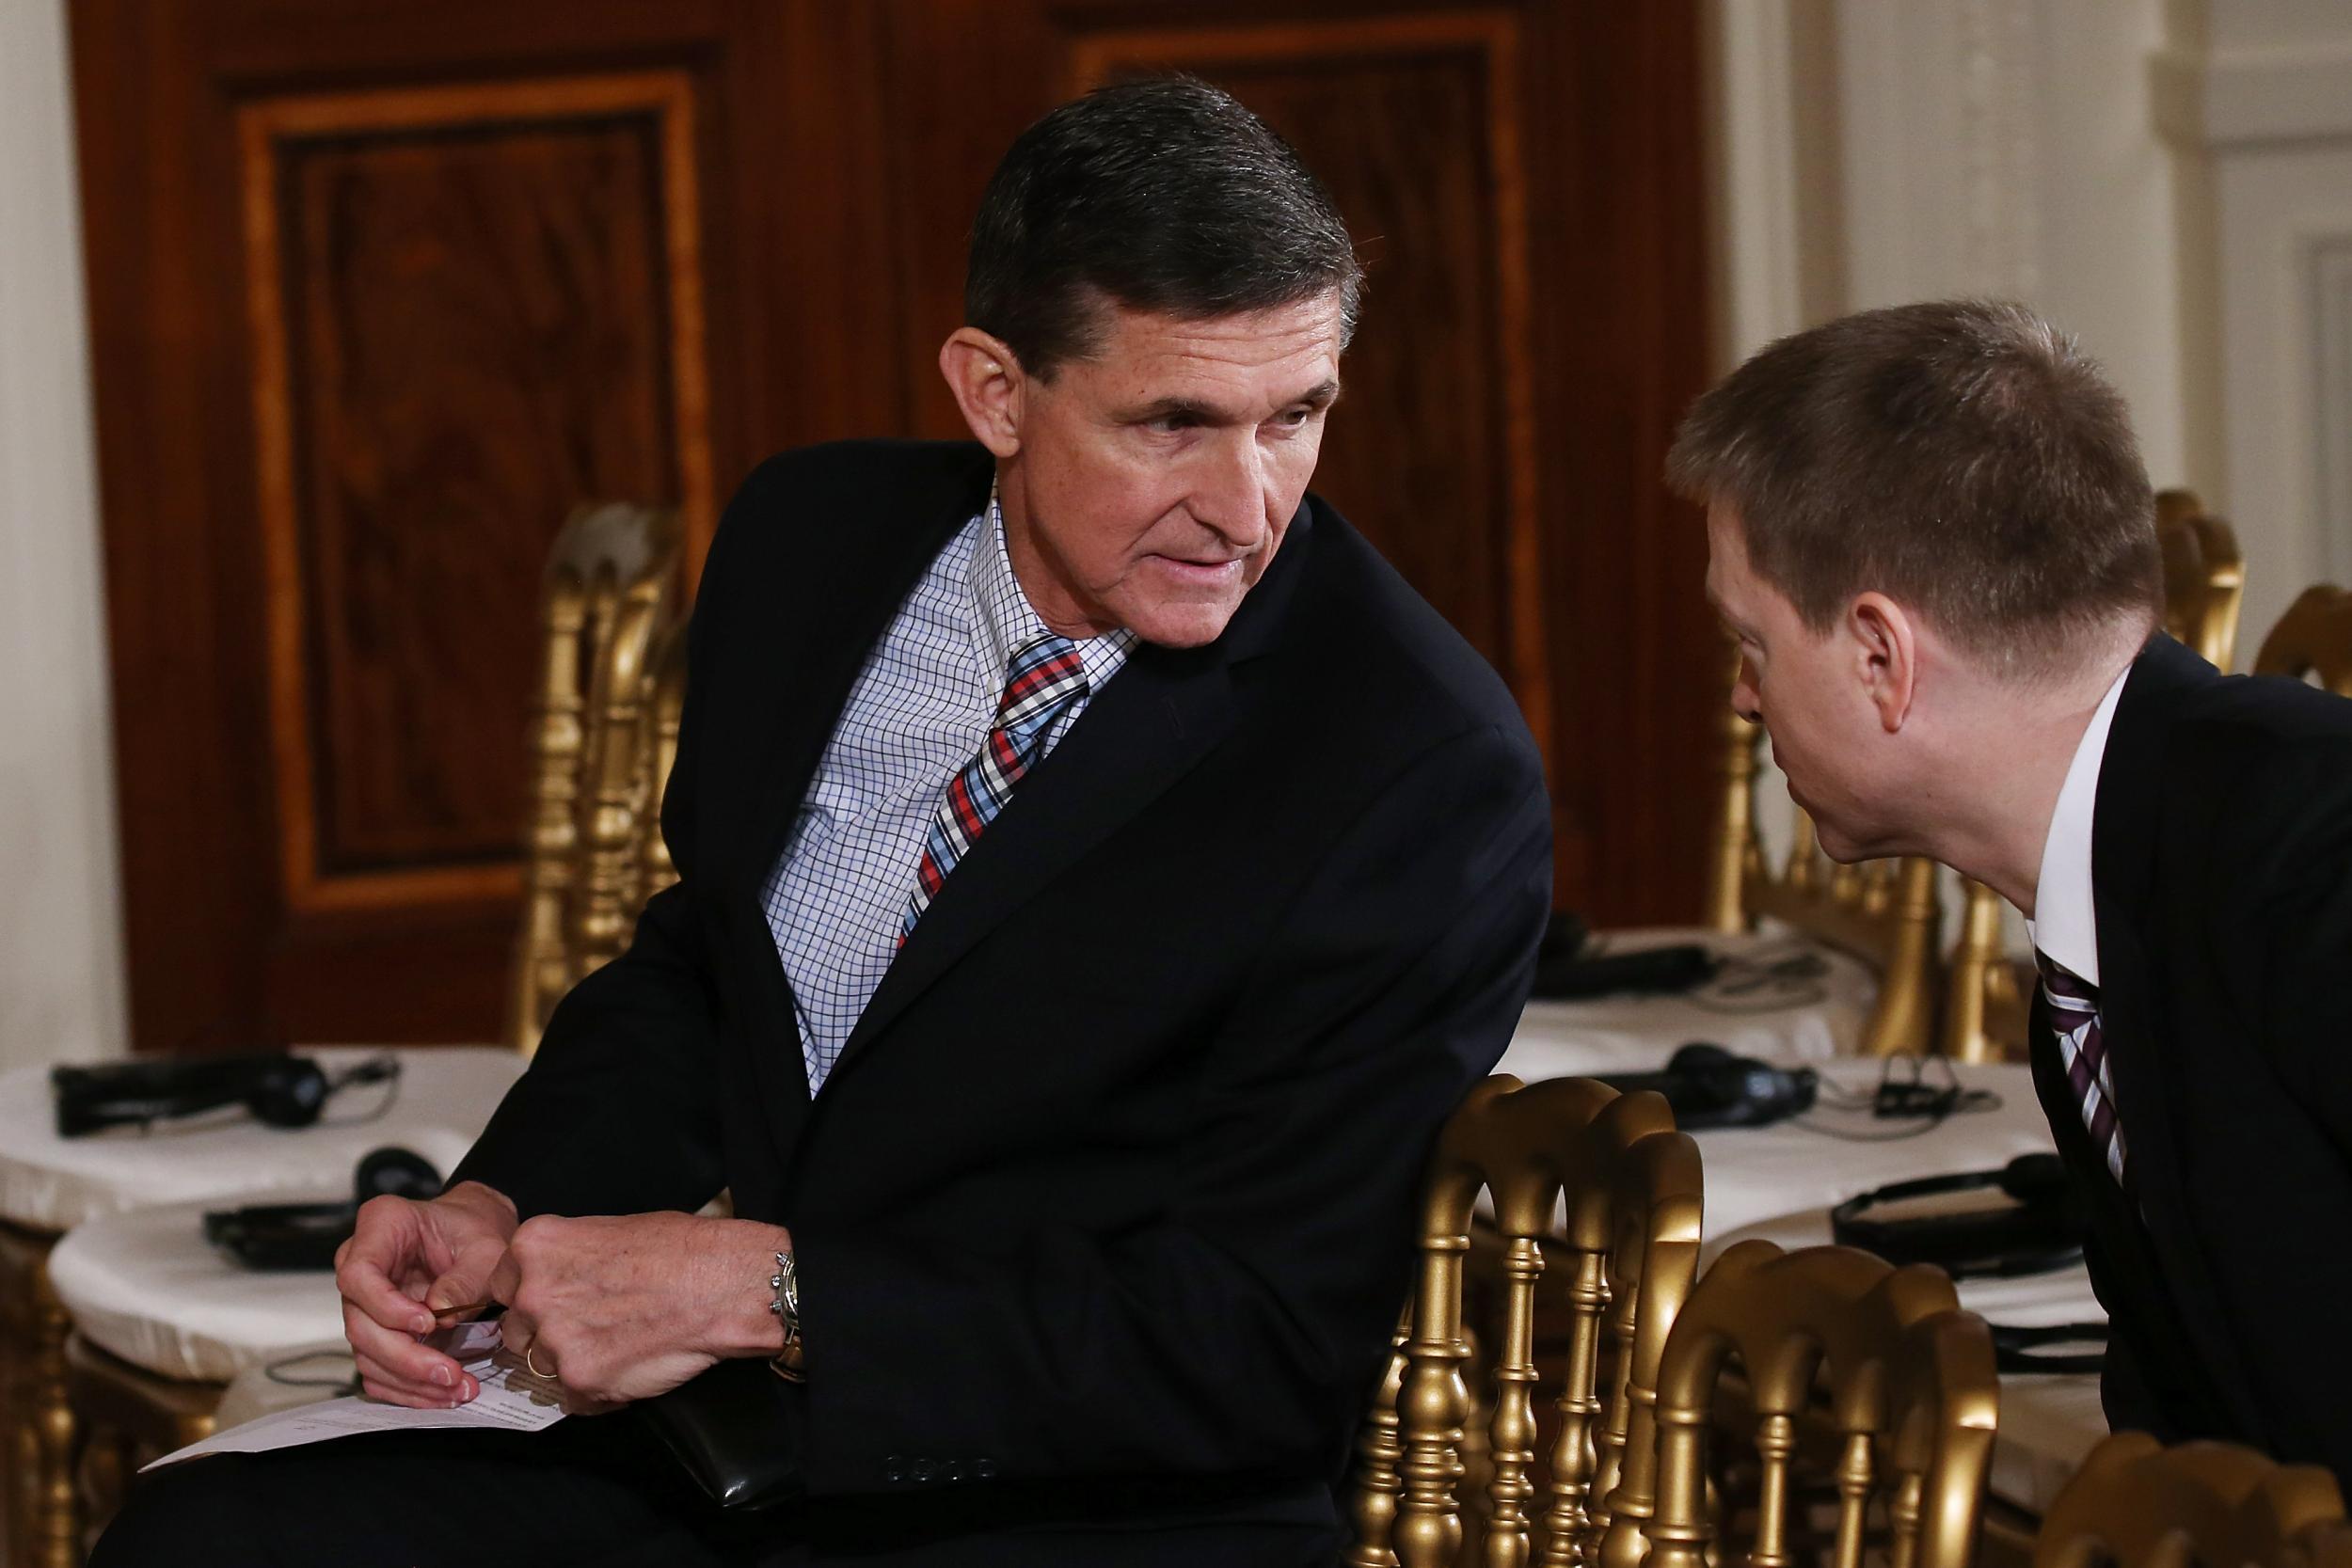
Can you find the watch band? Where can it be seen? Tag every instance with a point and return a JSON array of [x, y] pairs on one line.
[[786, 1283]]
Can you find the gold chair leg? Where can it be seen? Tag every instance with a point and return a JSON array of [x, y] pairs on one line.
[[56, 1517]]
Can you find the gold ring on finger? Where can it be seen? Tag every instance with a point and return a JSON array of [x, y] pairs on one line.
[[529, 1354]]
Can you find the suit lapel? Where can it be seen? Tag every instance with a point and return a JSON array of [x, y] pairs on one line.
[[2124, 824], [863, 586], [853, 589], [1161, 715]]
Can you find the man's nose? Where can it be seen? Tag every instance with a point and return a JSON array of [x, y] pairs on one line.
[[1745, 701], [1230, 497]]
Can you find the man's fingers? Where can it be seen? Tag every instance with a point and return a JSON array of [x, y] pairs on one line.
[[364, 1285], [398, 1354], [505, 1280], [430, 1396]]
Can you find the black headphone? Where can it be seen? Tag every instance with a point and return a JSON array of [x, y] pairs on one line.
[[279, 1089], [1708, 1086], [305, 1235], [2035, 1233]]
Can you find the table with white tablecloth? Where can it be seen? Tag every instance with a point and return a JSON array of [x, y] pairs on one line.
[[49, 1184], [1776, 995]]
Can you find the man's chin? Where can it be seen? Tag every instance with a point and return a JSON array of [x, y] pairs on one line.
[[1182, 625]]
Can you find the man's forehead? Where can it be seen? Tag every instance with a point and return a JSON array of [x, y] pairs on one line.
[[1300, 337]]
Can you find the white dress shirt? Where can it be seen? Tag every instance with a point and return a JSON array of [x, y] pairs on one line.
[[2065, 924]]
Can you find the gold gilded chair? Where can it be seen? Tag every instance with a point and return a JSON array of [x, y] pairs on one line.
[[1834, 1342], [2137, 1504], [1884, 913], [1632, 1187], [604, 732], [2312, 639], [2204, 580], [608, 596], [2204, 577]]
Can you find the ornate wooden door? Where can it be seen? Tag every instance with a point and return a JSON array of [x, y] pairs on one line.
[[381, 288]]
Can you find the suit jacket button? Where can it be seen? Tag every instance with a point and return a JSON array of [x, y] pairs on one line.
[[894, 1470], [923, 1470], [983, 1468]]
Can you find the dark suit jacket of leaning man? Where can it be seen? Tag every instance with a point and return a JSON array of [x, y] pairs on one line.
[[2221, 852], [1107, 1209]]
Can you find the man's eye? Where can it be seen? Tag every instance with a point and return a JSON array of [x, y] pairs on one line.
[[1171, 424]]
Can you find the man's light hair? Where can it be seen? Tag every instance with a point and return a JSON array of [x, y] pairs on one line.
[[1964, 457]]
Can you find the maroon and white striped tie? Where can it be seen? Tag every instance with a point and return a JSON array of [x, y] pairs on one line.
[[2074, 1016]]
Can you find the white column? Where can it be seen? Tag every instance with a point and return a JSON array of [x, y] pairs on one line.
[[2267, 104], [61, 964]]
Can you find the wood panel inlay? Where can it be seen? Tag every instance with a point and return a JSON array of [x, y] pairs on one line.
[[472, 309], [1413, 122]]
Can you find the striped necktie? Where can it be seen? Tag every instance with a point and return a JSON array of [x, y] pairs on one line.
[[2075, 1017], [1044, 680]]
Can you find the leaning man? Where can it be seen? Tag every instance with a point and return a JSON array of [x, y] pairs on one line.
[[1099, 875]]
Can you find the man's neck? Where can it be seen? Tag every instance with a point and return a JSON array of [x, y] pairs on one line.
[[2007, 778]]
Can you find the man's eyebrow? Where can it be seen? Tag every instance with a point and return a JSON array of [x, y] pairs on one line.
[[1321, 395], [1176, 408]]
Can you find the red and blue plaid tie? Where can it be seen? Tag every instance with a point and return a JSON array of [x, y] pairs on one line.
[[2074, 1016], [1045, 677]]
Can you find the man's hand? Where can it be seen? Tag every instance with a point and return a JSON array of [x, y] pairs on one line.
[[408, 1268], [625, 1308]]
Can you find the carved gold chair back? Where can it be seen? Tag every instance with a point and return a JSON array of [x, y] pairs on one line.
[[2137, 1504], [1986, 1004], [2312, 638], [1631, 1184], [608, 592], [663, 706], [2204, 577], [1884, 912], [1884, 1357]]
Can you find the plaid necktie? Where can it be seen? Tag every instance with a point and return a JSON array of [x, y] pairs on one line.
[[2075, 1017], [1045, 678]]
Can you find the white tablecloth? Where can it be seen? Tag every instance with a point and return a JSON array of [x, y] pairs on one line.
[[1830, 1154], [146, 1285], [1789, 1016], [52, 1183]]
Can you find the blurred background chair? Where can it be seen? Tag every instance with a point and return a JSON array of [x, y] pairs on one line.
[[2137, 1504], [2204, 578], [1631, 1184], [2313, 640], [161, 1321], [1867, 1375], [605, 605]]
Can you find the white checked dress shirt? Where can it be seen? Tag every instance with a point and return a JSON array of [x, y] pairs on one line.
[[920, 707]]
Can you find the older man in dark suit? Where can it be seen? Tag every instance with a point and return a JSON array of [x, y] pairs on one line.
[[1099, 877], [1932, 536]]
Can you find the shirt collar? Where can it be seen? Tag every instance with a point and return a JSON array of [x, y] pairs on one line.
[[1008, 623], [2065, 925]]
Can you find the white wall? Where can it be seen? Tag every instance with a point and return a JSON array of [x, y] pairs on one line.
[[1875, 151], [60, 913], [2260, 104]]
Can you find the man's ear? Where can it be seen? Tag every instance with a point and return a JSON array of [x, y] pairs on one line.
[[1885, 646], [989, 385]]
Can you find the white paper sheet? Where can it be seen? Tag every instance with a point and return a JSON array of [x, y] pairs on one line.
[[512, 1399]]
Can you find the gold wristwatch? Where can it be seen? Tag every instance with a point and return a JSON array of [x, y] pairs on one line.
[[785, 1282]]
